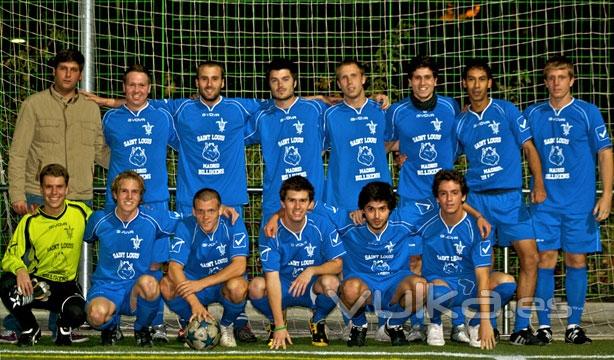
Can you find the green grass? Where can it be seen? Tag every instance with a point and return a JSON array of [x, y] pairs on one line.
[[302, 349]]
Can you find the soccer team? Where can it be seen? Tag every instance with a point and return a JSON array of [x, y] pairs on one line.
[[340, 240]]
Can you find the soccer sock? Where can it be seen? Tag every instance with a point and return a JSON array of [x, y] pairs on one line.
[[111, 324], [417, 317], [159, 318], [399, 316], [576, 279], [544, 291], [506, 293], [458, 318], [324, 305], [263, 306], [438, 294], [231, 311], [180, 307], [242, 319], [360, 318], [145, 312]]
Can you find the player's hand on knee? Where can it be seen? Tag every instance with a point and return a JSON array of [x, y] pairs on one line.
[[299, 285], [189, 287]]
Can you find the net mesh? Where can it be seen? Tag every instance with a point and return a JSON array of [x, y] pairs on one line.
[[171, 37]]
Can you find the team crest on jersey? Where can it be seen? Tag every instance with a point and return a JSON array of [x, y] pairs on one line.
[[221, 124], [602, 132], [556, 156], [291, 155], [566, 128], [211, 152], [125, 270], [450, 268], [494, 126], [389, 247], [380, 267], [222, 249], [136, 242], [148, 128], [298, 125], [137, 156], [489, 156], [427, 152], [437, 124], [310, 249], [372, 127], [365, 155], [177, 244], [459, 248], [69, 231]]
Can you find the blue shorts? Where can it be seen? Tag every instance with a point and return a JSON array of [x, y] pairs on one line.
[[465, 287], [116, 292], [507, 213], [209, 295], [574, 233], [382, 291], [308, 299]]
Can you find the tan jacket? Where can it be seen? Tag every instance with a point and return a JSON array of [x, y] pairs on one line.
[[48, 130]]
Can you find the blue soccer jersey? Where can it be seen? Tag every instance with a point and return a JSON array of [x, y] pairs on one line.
[[379, 257], [492, 141], [427, 138], [453, 251], [290, 254], [211, 148], [357, 153], [291, 141], [138, 141], [203, 254], [568, 141], [125, 249]]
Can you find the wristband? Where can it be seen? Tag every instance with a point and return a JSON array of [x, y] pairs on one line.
[[279, 328]]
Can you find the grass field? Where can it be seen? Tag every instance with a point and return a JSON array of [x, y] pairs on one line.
[[302, 349]]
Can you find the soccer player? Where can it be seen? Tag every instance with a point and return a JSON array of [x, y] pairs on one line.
[[290, 133], [457, 263], [490, 133], [376, 269], [354, 132], [571, 137], [300, 263], [138, 135], [207, 264], [121, 284], [49, 241]]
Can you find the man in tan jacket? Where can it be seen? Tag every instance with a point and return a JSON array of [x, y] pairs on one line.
[[56, 125]]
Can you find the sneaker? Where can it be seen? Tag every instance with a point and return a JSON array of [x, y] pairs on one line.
[[416, 333], [434, 335], [181, 334], [108, 337], [143, 337], [8, 337], [545, 335], [77, 338], [576, 335], [460, 335], [396, 335], [318, 333], [497, 335], [158, 334], [245, 334], [358, 336], [63, 336], [525, 337], [474, 336], [227, 338], [345, 331], [381, 335], [29, 337]]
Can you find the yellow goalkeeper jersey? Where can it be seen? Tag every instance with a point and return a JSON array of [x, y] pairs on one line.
[[48, 246]]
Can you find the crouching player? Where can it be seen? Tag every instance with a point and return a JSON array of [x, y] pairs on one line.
[[207, 263], [457, 263], [121, 284], [301, 262]]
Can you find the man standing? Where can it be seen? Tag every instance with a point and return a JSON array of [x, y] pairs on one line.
[[491, 133], [121, 284], [354, 132], [571, 137], [300, 263], [51, 238], [208, 259]]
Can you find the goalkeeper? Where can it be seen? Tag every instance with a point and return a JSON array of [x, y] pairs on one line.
[[51, 237]]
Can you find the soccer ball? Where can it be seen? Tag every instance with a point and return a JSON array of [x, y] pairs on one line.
[[203, 335]]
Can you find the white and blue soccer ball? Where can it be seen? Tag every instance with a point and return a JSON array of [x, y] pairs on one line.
[[203, 334]]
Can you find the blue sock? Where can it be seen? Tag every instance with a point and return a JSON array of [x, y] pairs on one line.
[[417, 317], [231, 311], [159, 318], [506, 292], [324, 305], [241, 320], [577, 280], [544, 292], [458, 318], [180, 307], [145, 312], [399, 317], [263, 306], [111, 324], [359, 318], [439, 294]]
